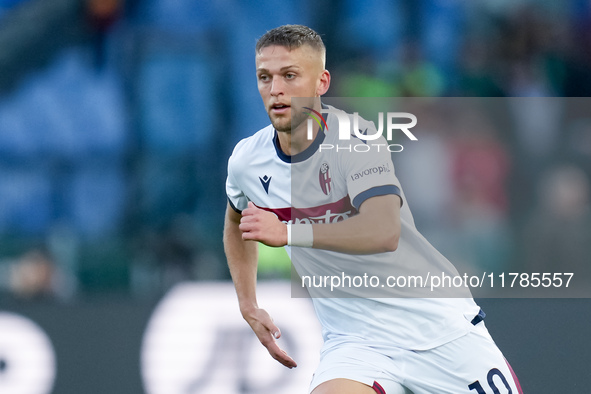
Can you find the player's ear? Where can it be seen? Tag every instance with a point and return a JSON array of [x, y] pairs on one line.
[[323, 83]]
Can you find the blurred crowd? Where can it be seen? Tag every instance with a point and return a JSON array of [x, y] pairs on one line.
[[117, 118]]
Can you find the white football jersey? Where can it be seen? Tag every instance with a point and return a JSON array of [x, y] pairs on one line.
[[327, 183]]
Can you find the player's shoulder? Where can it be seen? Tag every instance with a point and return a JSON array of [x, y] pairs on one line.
[[254, 145]]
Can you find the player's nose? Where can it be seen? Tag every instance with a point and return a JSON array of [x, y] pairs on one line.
[[277, 86]]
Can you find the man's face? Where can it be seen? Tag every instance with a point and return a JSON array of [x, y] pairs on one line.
[[283, 74]]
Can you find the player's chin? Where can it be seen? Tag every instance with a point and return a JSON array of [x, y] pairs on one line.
[[281, 125]]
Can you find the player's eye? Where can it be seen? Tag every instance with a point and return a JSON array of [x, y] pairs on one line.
[[290, 76], [263, 77]]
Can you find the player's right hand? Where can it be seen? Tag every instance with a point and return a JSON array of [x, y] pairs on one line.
[[268, 333], [257, 224]]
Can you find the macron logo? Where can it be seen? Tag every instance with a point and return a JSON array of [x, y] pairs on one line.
[[265, 181]]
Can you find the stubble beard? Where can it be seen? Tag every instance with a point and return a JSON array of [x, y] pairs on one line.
[[290, 125]]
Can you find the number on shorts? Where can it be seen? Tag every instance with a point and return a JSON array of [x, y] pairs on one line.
[[491, 374]]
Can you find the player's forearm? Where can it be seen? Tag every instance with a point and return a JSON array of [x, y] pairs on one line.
[[356, 235], [376, 229], [242, 261]]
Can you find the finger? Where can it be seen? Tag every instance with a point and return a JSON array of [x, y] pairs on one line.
[[248, 236], [249, 219], [246, 226], [245, 230], [250, 209], [280, 355], [267, 322], [268, 332], [250, 212], [273, 329]]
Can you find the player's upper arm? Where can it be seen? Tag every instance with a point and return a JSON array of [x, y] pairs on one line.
[[389, 203], [383, 212], [232, 215]]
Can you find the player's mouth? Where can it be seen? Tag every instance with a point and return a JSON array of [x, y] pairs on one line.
[[280, 108]]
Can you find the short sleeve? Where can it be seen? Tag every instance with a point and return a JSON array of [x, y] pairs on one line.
[[236, 197], [370, 171]]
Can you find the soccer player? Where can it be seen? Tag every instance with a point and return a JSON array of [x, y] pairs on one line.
[[345, 212]]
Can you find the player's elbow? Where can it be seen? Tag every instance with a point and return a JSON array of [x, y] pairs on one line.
[[392, 244], [389, 241]]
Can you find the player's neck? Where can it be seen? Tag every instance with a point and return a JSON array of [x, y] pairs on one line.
[[296, 141]]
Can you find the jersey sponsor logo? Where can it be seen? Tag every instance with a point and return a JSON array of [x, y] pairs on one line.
[[324, 179], [326, 217], [265, 181], [327, 213], [384, 168]]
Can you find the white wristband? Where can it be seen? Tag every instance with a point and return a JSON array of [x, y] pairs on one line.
[[288, 234], [300, 235]]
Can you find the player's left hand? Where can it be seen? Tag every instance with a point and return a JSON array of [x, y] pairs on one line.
[[259, 225], [267, 332]]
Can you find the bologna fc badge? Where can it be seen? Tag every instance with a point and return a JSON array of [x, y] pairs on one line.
[[324, 178]]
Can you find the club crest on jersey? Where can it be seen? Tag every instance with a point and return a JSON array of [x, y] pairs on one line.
[[324, 179], [265, 181]]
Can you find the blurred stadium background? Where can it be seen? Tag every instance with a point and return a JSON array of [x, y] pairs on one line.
[[117, 118]]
